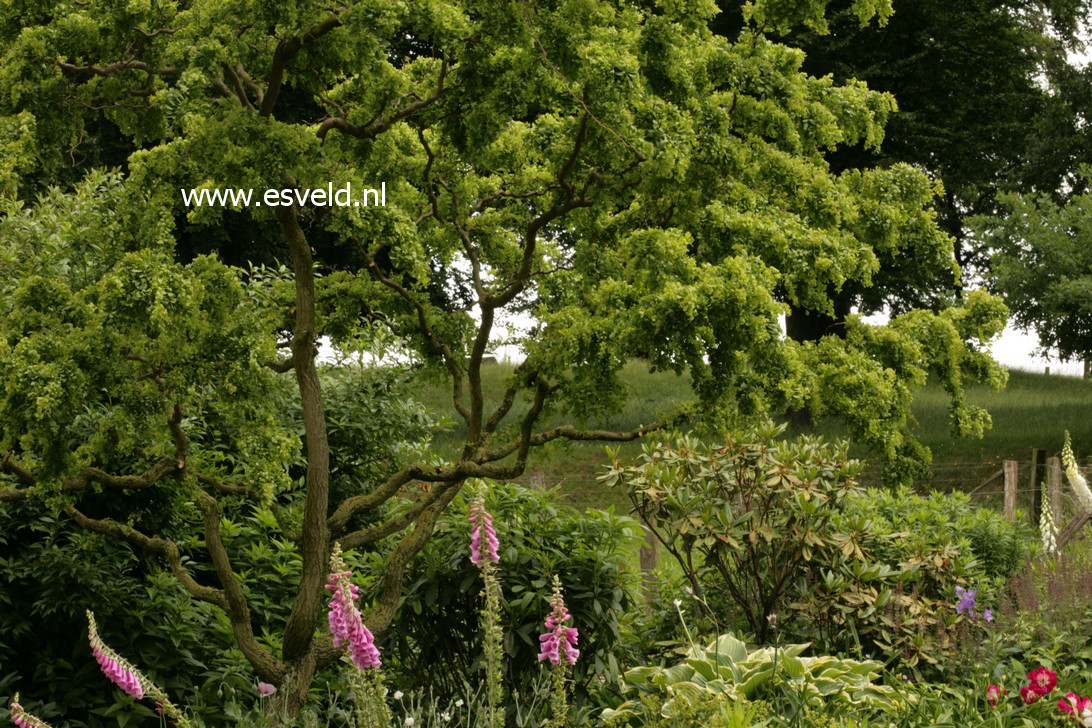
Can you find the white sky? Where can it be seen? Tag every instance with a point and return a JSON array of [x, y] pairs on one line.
[[1014, 348]]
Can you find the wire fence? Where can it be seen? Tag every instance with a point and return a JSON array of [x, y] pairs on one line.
[[984, 481]]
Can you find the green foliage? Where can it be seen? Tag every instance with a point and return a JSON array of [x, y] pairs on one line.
[[1046, 619], [869, 377], [999, 547], [727, 670], [374, 424], [56, 571], [750, 516], [640, 185], [1015, 123], [763, 527], [437, 641], [706, 202], [1042, 264], [891, 589], [103, 333], [52, 573]]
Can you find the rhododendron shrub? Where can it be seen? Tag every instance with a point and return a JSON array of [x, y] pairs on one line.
[[745, 519]]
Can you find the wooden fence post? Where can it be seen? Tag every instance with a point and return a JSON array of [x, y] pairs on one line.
[[1038, 470], [1054, 486], [1012, 471]]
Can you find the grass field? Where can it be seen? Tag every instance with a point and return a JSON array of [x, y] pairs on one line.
[[1033, 411]]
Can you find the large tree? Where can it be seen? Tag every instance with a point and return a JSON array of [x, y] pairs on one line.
[[1042, 265], [640, 185], [988, 102]]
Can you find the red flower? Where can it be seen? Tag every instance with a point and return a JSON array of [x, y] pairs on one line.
[[1042, 680], [1029, 695], [994, 693], [1075, 705]]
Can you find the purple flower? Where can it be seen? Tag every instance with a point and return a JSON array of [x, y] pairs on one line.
[[966, 602], [266, 690], [113, 666], [558, 638], [482, 524], [346, 624], [988, 615]]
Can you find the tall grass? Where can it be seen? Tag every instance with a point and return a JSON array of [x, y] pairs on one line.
[[1032, 412]]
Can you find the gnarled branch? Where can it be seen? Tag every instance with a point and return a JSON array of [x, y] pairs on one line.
[[381, 615], [288, 49], [164, 548], [384, 122], [118, 67]]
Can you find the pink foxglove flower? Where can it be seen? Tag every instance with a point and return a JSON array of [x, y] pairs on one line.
[[113, 665], [346, 624], [24, 719], [481, 523], [558, 638]]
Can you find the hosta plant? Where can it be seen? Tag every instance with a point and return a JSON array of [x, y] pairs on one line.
[[726, 670]]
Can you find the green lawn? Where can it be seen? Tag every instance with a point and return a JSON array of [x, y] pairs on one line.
[[1033, 411]]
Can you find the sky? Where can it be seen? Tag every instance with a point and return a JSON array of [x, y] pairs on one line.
[[1014, 349]]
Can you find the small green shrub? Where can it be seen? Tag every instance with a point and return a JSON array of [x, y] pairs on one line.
[[999, 547], [897, 596], [749, 516], [726, 671]]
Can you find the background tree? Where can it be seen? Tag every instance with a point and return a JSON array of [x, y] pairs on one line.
[[1013, 125], [642, 186], [987, 102], [1042, 265]]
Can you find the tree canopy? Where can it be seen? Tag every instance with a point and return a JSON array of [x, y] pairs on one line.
[[989, 103], [1042, 265], [637, 183]]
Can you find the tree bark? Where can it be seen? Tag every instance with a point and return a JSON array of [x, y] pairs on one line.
[[299, 632], [292, 694]]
